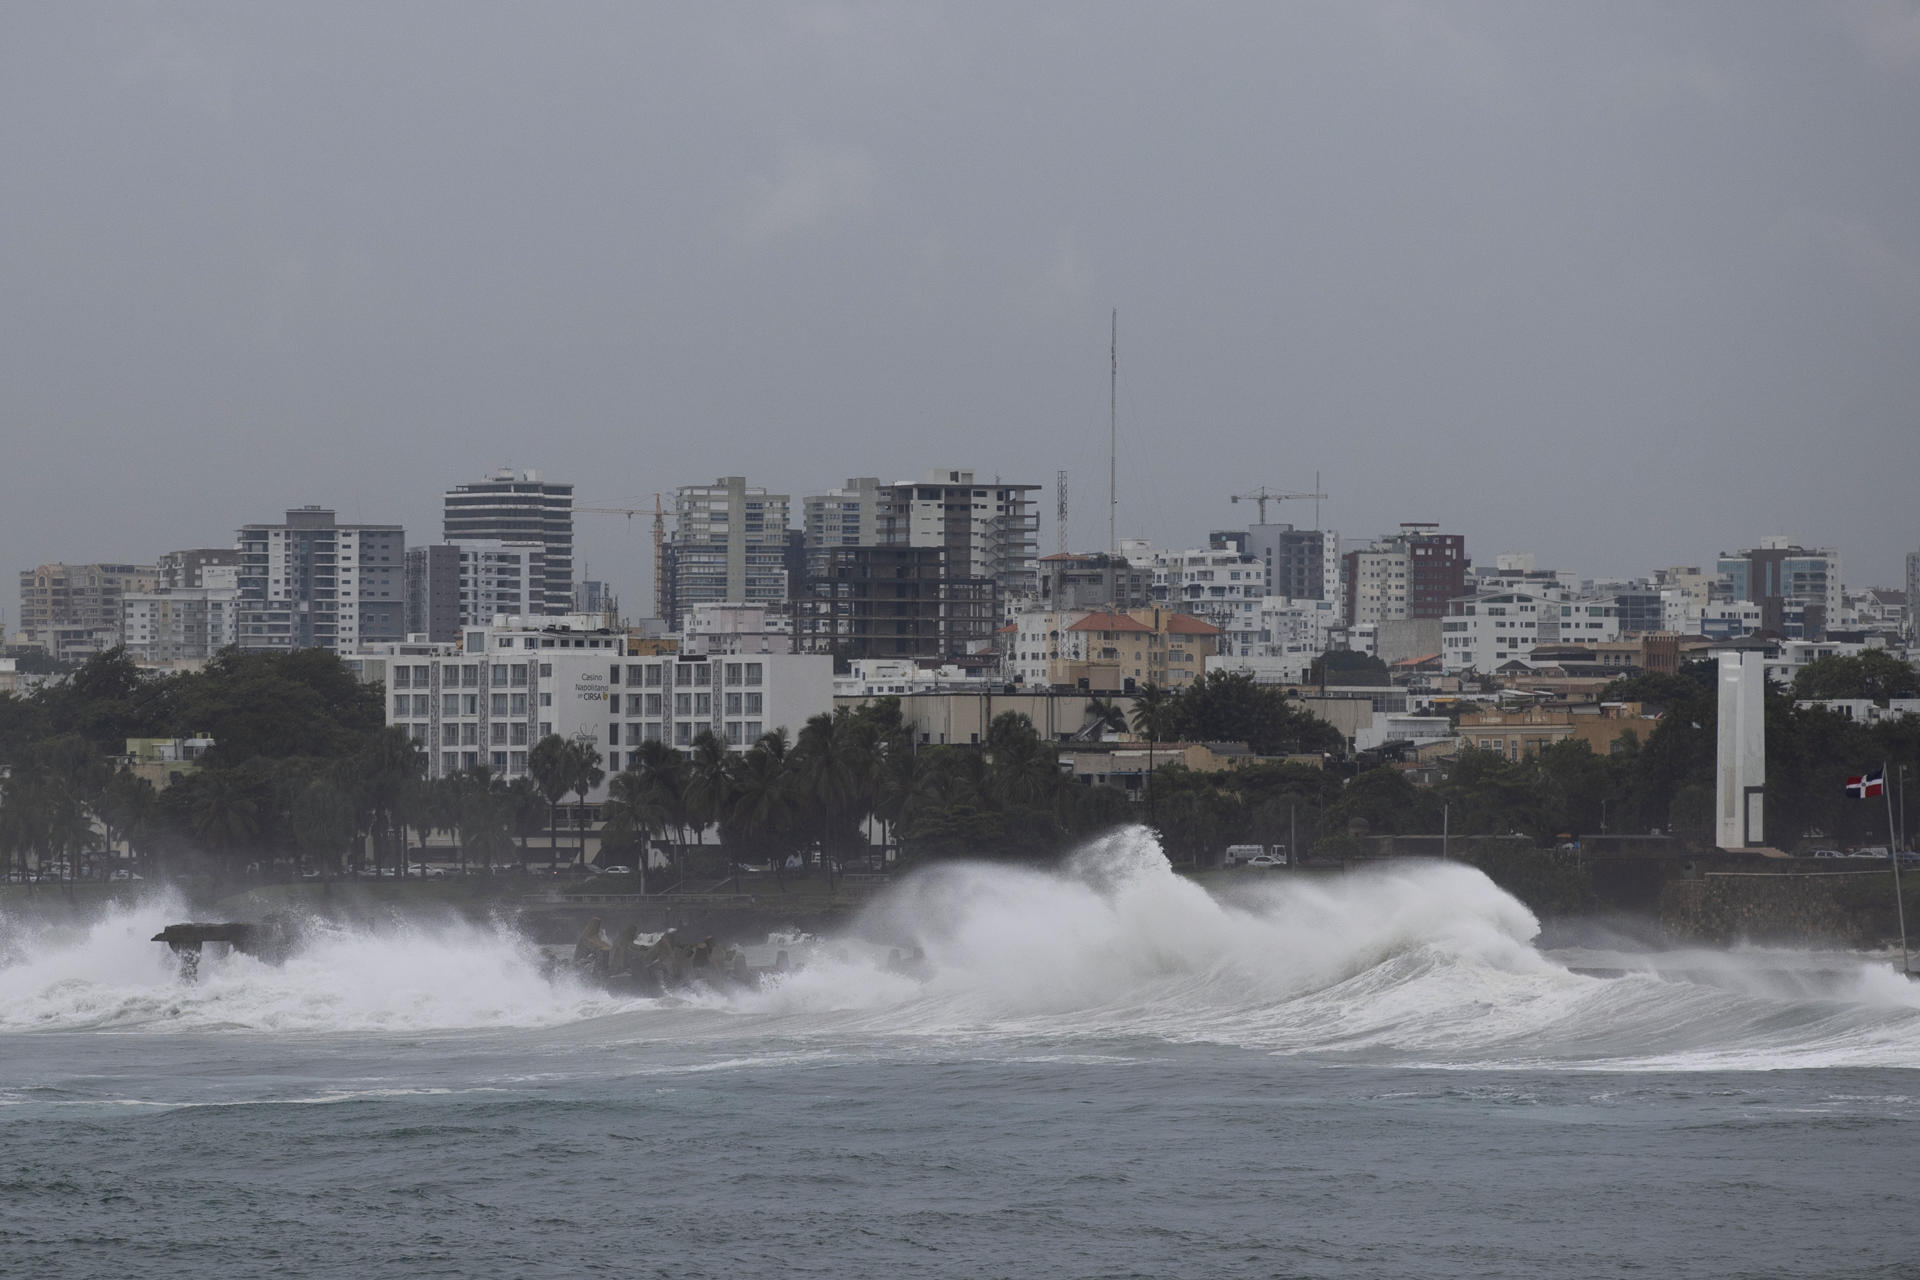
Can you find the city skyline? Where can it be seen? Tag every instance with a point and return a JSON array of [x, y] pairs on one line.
[[1617, 288]]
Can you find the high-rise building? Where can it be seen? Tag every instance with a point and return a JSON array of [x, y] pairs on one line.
[[451, 585], [73, 610], [1780, 573], [1295, 558], [1405, 575], [989, 529], [510, 506], [729, 544], [313, 583], [178, 624]]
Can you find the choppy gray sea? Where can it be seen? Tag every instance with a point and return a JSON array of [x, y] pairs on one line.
[[1103, 1072]]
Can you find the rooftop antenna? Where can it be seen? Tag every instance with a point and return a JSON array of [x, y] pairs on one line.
[[1060, 509], [1113, 437]]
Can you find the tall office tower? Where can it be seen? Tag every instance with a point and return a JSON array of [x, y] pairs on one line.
[[511, 506], [1780, 574], [1296, 559], [311, 583], [729, 544], [1409, 574]]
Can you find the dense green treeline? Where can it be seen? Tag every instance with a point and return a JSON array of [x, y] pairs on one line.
[[303, 770]]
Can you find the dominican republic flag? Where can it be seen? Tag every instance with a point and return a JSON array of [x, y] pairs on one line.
[[1871, 784]]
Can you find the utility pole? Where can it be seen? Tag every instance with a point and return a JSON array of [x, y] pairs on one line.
[[1446, 814], [1113, 437]]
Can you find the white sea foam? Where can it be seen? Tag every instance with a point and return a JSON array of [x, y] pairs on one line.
[[444, 976], [1425, 962], [1415, 963]]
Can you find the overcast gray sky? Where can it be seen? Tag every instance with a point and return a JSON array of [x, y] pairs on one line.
[[1619, 284]]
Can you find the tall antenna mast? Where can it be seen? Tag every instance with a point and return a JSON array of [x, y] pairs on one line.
[[1060, 510], [1113, 438], [1316, 501]]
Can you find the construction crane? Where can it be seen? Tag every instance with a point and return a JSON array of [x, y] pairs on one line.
[[659, 534], [1264, 495]]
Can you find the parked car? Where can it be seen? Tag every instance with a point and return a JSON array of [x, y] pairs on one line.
[[1265, 860]]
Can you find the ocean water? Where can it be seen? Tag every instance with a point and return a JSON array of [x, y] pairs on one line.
[[1101, 1071]]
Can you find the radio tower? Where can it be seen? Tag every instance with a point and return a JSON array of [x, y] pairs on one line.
[[1060, 510]]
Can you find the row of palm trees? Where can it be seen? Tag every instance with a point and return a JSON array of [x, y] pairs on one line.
[[824, 795]]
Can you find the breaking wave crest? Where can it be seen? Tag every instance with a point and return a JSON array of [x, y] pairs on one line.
[[1419, 962], [445, 976], [1411, 964]]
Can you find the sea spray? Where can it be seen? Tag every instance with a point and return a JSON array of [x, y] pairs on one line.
[[414, 976], [1412, 961]]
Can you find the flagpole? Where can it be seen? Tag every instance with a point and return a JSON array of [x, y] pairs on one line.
[[1893, 853]]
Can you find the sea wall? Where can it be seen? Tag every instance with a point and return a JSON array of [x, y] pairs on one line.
[[1851, 909]]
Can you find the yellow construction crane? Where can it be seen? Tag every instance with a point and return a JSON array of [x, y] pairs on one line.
[[1264, 495]]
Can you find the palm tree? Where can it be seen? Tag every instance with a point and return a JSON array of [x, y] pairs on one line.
[[225, 814], [833, 767], [1155, 710], [710, 769], [583, 775], [526, 812], [550, 766], [633, 815], [663, 771], [381, 773], [760, 811]]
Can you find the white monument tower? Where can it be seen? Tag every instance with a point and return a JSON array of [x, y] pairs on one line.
[[1740, 775]]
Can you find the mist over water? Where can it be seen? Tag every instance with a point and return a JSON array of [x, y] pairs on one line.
[[1413, 964]]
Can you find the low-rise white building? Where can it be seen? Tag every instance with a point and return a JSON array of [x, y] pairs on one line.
[[488, 699]]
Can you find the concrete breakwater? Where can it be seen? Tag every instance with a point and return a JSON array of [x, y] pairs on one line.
[[1826, 908]]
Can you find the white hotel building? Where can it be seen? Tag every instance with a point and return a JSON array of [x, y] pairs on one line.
[[488, 698]]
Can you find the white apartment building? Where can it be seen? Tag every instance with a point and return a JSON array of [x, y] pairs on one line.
[[186, 624], [1377, 579], [988, 528], [1483, 631], [488, 699], [1223, 586]]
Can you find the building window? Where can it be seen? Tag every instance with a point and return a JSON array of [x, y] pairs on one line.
[[753, 672], [499, 734], [683, 734], [450, 704], [499, 677], [733, 704], [683, 704], [400, 677], [546, 670], [703, 704], [499, 705], [546, 699], [399, 704], [519, 733], [753, 705]]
